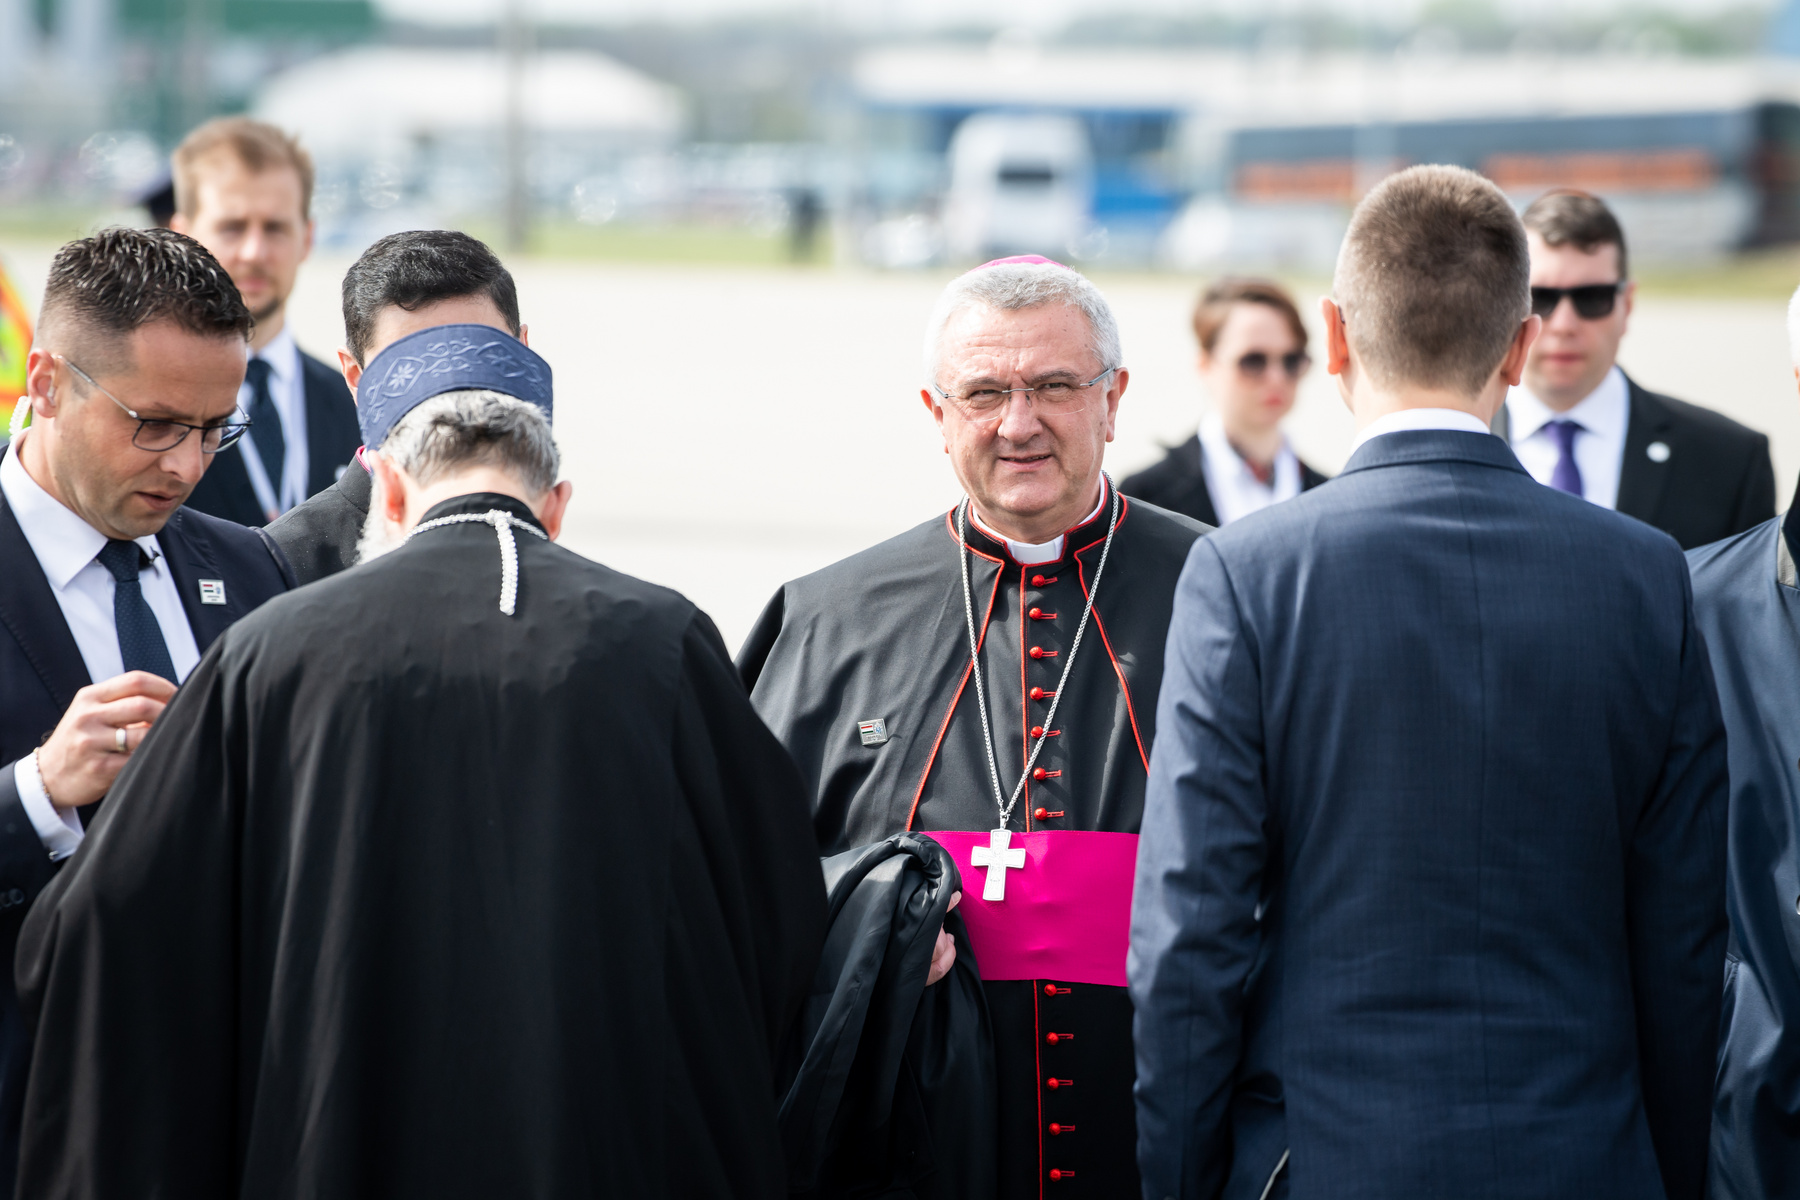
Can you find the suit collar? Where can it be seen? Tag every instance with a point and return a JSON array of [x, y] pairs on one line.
[[60, 540], [29, 611], [1432, 445], [357, 485], [1412, 420]]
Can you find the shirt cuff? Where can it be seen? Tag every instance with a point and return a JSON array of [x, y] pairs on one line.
[[58, 828]]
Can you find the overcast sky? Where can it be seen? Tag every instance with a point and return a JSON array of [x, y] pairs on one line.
[[924, 13]]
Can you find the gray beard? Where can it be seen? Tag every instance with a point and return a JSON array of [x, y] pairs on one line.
[[379, 537]]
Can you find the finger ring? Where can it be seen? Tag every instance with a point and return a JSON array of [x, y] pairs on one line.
[[119, 739]]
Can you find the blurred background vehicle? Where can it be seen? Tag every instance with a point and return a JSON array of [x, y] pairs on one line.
[[1135, 133], [729, 217]]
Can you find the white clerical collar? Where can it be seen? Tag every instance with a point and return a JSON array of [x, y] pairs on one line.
[[1028, 554], [1412, 419], [62, 541], [1603, 411]]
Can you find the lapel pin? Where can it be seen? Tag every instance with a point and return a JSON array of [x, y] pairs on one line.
[[212, 591], [874, 733], [1657, 452]]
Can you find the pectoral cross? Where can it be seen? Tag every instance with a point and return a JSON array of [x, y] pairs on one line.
[[997, 858]]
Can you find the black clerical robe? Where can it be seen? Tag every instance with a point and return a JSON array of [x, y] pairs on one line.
[[405, 897], [882, 636]]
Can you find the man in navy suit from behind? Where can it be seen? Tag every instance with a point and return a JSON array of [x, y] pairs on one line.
[[110, 591], [1430, 894]]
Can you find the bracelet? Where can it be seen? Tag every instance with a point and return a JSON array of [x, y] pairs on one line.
[[43, 783]]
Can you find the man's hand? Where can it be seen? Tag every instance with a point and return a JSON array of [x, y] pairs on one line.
[[943, 957], [82, 758]]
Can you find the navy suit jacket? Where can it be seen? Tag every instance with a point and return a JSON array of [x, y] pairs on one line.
[[1430, 892], [332, 437], [1747, 595], [41, 669]]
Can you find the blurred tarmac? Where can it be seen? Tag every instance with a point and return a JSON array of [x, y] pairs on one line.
[[728, 429]]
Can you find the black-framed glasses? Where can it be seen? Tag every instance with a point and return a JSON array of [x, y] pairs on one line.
[[157, 435], [1057, 396], [1256, 363], [1591, 300]]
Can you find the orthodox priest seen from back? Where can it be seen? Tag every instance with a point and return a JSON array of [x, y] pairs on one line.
[[467, 872], [990, 678]]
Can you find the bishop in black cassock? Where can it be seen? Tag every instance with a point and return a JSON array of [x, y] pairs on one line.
[[864, 671], [468, 872]]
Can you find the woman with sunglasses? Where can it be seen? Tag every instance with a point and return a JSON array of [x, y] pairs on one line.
[[1252, 357]]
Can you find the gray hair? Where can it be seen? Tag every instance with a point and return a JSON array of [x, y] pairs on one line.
[[475, 427], [1012, 286]]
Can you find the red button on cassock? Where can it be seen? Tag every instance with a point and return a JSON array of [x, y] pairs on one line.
[[1037, 652], [1040, 581], [1039, 774], [1034, 613], [1053, 1084], [1037, 693], [1057, 1175], [1040, 814], [1037, 731], [1059, 1130]]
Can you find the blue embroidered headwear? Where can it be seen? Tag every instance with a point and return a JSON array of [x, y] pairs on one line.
[[446, 358]]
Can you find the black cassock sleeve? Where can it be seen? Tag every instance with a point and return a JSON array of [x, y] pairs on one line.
[[748, 833], [135, 963], [127, 970]]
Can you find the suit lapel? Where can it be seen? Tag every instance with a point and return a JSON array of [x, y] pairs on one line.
[[1198, 501], [29, 611], [190, 561], [1641, 481]]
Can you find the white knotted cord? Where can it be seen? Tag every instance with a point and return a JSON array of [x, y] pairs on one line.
[[504, 523], [1006, 805]]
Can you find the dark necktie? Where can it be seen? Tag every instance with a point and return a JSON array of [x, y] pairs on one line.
[[141, 642], [1567, 476], [265, 424]]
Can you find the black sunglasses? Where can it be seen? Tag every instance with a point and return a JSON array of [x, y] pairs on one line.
[[1256, 362], [1591, 300]]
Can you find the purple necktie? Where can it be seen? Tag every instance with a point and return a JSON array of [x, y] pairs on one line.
[[1567, 476]]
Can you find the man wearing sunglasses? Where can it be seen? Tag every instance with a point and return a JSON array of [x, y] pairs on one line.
[[1580, 424], [110, 591]]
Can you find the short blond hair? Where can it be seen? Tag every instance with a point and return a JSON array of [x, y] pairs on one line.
[[1433, 279], [257, 145]]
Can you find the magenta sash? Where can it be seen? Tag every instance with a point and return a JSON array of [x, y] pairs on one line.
[[1067, 912]]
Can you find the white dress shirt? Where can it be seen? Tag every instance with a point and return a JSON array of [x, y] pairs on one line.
[[288, 389], [1235, 490], [1599, 448], [1410, 419], [1029, 554], [65, 546]]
